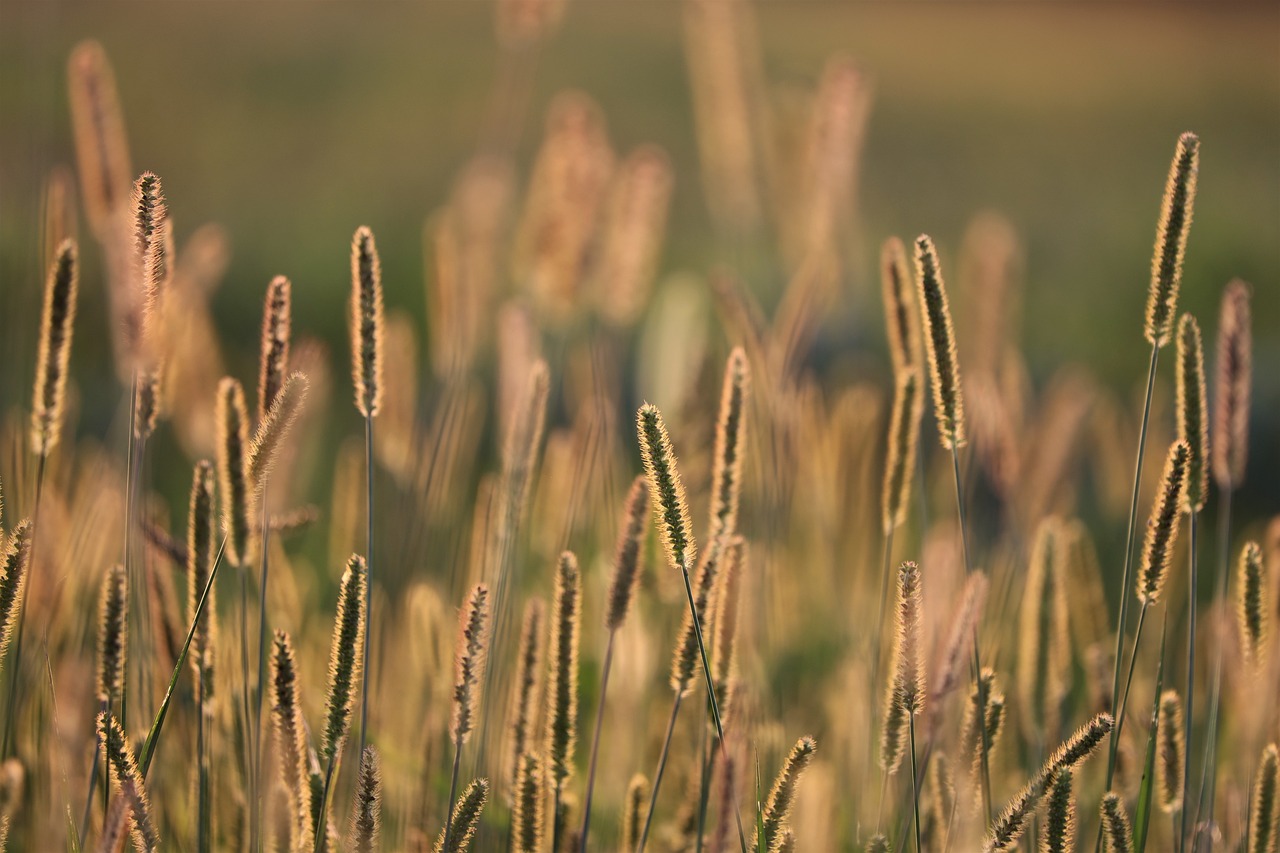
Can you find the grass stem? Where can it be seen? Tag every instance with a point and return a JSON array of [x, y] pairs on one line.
[[595, 745]]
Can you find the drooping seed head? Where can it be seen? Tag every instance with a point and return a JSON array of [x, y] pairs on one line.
[[274, 428], [1171, 240], [468, 671], [366, 322], [1252, 609], [1116, 830], [14, 569], [345, 656], [626, 561], [366, 813], [904, 433], [233, 472], [1193, 411], [670, 509], [528, 823], [200, 555], [526, 696], [466, 818], [113, 633], [1233, 387], [730, 444], [273, 358], [1169, 760], [291, 737], [56, 326], [901, 319], [1162, 527], [562, 678], [1059, 834], [1266, 791], [777, 807], [940, 346]]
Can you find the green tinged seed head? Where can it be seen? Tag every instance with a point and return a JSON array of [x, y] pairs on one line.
[[1252, 610], [901, 325], [345, 656], [1162, 527], [56, 326], [120, 762], [366, 813], [940, 346], [113, 633], [14, 567], [273, 429], [626, 561], [904, 433], [986, 702], [1059, 835], [1044, 649], [1080, 745], [273, 358], [684, 662], [1115, 824], [1169, 760], [366, 322], [466, 818], [469, 663], [528, 823], [1264, 828], [200, 555], [291, 738], [633, 811], [562, 679], [233, 472], [730, 444], [1233, 387], [670, 508], [782, 796], [1193, 411], [1171, 239], [526, 696]]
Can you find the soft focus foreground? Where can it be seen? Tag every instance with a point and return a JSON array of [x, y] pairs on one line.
[[684, 507]]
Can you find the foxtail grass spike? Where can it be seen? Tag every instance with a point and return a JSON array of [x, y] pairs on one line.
[[233, 472], [1162, 528], [878, 844], [56, 326], [113, 633], [291, 739], [1233, 387], [344, 658], [968, 615], [940, 346], [904, 434], [992, 713], [1171, 240], [633, 807], [1059, 834], [684, 662], [528, 821], [102, 149], [200, 555], [149, 212], [626, 560], [273, 360], [468, 673], [366, 322], [273, 430], [1193, 411], [1252, 609], [525, 698], [1263, 826], [777, 807], [1171, 751], [905, 697], [902, 324], [146, 404], [121, 763], [1081, 744], [14, 568], [1044, 648], [724, 622], [670, 508], [1116, 830], [466, 818], [730, 444], [366, 815], [562, 678]]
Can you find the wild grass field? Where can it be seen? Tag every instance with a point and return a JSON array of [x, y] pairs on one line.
[[706, 426]]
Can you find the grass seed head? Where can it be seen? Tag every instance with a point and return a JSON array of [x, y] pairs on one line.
[[940, 346], [238, 512], [1252, 609], [1233, 387], [626, 561], [367, 322], [1193, 411], [1162, 527], [57, 324], [345, 656], [671, 509], [562, 679], [1171, 751], [1116, 830], [1171, 240], [472, 648], [273, 358]]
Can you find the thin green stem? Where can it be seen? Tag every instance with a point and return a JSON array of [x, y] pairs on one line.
[[595, 746], [876, 650], [368, 587], [321, 836], [256, 813], [453, 790], [1208, 775], [1133, 661], [915, 786], [657, 777], [202, 770], [1180, 828]]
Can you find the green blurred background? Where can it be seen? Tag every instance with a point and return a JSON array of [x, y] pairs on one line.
[[291, 123]]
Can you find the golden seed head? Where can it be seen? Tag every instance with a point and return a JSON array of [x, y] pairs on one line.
[[940, 346], [562, 679], [1266, 789], [904, 433], [902, 325], [1060, 819], [233, 475], [269, 438], [1171, 239], [1193, 411], [120, 760], [102, 148], [528, 821], [526, 696], [777, 808], [273, 359], [1172, 749], [1252, 609], [626, 561], [1115, 824], [56, 326], [671, 509], [366, 322], [466, 818], [113, 633], [730, 444], [1044, 649], [366, 814], [634, 810], [200, 555], [1162, 527], [291, 736], [1233, 387], [469, 664], [345, 656], [684, 661]]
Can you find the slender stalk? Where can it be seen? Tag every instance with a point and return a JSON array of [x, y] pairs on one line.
[[1208, 775], [202, 769], [915, 787], [128, 557], [1133, 660], [707, 757], [875, 652], [453, 790], [1180, 828], [256, 829], [322, 837], [657, 777], [1127, 576], [595, 746], [368, 587], [15, 668]]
